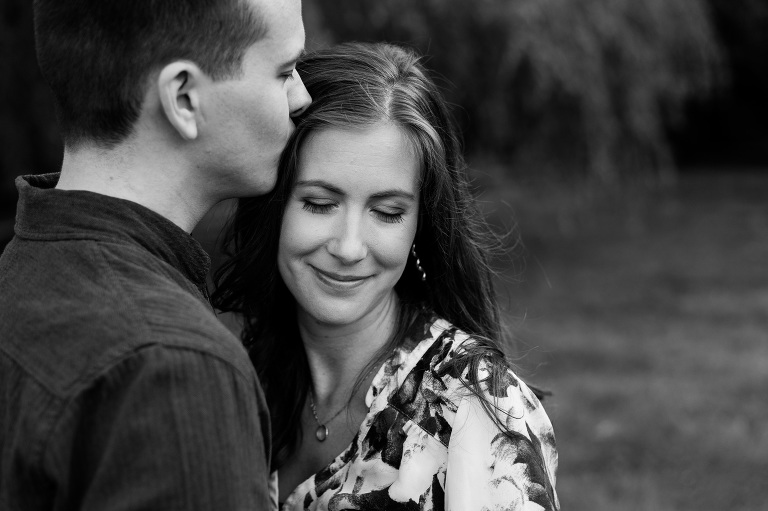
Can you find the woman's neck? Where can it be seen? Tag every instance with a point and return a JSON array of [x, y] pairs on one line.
[[337, 354]]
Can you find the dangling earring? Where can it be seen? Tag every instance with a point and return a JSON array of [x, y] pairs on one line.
[[418, 264]]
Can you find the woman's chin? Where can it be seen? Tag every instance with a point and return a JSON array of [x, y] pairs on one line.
[[338, 317], [345, 312]]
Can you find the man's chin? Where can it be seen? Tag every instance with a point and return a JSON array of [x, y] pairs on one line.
[[259, 182]]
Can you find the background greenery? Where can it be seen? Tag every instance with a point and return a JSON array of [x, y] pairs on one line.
[[595, 79], [625, 143]]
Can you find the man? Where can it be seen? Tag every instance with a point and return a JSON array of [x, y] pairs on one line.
[[119, 389]]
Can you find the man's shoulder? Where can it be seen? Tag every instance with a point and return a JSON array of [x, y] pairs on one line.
[[64, 319]]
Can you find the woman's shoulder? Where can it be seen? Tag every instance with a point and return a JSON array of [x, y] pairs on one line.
[[485, 403], [457, 399], [447, 366], [455, 358]]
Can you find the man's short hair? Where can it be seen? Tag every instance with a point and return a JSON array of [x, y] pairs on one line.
[[97, 55]]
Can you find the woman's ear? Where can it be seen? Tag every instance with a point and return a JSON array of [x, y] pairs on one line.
[[178, 85]]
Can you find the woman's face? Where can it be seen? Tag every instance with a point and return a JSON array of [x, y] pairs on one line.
[[349, 222]]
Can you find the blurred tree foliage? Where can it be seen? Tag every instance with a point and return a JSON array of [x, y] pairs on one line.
[[730, 128], [586, 87]]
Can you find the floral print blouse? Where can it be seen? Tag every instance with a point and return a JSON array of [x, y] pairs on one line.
[[427, 443]]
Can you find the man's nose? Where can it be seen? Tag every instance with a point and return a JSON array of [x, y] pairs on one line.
[[298, 97]]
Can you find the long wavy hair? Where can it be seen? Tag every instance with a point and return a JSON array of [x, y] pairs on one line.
[[355, 86]]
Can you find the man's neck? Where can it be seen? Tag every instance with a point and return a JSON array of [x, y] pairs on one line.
[[158, 180]]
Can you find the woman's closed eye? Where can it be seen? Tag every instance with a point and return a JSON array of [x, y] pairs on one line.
[[318, 206], [389, 216], [323, 206]]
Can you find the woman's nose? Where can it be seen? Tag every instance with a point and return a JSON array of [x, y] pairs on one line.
[[348, 245]]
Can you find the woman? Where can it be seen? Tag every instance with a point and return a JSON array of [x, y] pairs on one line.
[[369, 310]]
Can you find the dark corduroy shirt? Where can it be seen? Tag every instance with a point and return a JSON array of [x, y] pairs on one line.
[[119, 388]]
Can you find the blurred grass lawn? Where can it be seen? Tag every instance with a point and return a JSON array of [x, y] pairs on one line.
[[648, 319]]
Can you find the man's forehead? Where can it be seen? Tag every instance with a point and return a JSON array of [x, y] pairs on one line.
[[282, 22]]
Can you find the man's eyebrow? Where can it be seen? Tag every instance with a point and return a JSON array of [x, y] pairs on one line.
[[321, 184], [292, 60]]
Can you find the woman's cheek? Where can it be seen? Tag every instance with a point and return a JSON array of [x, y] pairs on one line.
[[394, 246], [303, 230]]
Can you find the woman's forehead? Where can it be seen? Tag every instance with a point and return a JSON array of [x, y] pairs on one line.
[[372, 157]]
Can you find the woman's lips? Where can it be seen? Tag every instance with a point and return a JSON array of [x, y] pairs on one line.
[[339, 281]]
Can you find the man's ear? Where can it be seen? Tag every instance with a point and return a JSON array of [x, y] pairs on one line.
[[178, 85]]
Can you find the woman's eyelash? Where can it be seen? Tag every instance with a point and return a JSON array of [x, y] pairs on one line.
[[390, 218], [317, 208]]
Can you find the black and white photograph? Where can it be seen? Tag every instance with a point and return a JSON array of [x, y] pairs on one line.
[[422, 255]]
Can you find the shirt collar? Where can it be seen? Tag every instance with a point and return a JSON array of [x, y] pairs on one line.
[[45, 213]]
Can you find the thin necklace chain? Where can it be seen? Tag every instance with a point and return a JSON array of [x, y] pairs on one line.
[[314, 411], [322, 432]]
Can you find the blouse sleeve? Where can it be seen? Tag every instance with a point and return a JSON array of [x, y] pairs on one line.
[[509, 464]]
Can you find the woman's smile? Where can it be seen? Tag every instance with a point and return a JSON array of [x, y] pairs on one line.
[[340, 282]]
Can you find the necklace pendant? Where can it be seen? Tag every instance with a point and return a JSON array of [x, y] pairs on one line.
[[321, 433]]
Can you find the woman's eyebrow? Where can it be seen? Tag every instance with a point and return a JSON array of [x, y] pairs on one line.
[[321, 184], [394, 192], [384, 194]]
